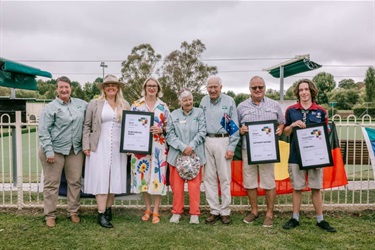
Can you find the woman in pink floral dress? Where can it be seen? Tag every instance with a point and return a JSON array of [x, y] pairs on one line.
[[149, 171]]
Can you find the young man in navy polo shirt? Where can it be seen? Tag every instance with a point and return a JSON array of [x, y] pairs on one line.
[[306, 111]]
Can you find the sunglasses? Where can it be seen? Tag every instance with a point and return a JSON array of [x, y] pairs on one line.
[[257, 87]]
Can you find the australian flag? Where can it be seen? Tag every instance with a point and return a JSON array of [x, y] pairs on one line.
[[228, 124]]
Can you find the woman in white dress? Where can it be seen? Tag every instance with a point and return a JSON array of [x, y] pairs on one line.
[[105, 170]]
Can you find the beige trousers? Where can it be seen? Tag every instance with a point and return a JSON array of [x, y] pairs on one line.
[[72, 165], [217, 169]]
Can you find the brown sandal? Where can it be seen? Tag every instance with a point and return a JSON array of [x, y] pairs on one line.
[[147, 215], [155, 218]]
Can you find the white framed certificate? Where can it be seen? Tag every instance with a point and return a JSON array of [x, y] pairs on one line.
[[313, 146], [262, 142], [136, 136]]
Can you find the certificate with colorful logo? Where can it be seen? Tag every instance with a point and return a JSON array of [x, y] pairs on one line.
[[313, 147], [136, 136], [262, 142]]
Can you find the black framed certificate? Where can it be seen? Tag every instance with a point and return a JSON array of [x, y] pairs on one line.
[[313, 146], [262, 142], [136, 136]]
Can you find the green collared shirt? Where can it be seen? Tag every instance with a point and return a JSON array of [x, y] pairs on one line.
[[214, 112], [60, 126], [186, 130]]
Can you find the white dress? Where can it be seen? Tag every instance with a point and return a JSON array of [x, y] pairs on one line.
[[106, 168]]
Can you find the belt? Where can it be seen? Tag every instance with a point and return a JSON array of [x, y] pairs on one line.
[[217, 135]]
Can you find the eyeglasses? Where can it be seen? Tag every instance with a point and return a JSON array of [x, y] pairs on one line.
[[257, 87], [152, 86]]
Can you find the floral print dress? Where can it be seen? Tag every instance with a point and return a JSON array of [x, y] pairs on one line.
[[149, 171]]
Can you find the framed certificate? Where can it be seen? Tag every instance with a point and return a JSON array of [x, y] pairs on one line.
[[262, 142], [313, 147], [135, 132]]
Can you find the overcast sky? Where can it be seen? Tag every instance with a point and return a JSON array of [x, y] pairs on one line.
[[72, 38]]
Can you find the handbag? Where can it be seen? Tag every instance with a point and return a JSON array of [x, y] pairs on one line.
[[188, 166]]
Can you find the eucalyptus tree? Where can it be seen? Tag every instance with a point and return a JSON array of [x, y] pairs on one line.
[[140, 64], [184, 68]]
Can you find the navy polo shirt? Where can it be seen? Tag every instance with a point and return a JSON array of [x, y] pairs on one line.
[[314, 114]]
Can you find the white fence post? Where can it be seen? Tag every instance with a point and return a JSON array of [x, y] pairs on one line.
[[19, 160]]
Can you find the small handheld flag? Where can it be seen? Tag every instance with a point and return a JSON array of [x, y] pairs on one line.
[[228, 124]]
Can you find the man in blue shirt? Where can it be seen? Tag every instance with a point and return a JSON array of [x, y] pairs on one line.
[[219, 110]]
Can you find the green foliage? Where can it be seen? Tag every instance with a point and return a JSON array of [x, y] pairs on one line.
[[197, 96], [240, 98], [140, 64], [183, 68], [345, 98], [46, 89], [370, 85], [170, 97], [21, 93], [289, 94], [362, 110], [77, 92], [347, 84], [325, 83], [230, 93], [273, 94], [4, 91]]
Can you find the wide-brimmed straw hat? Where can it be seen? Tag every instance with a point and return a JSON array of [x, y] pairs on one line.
[[110, 79]]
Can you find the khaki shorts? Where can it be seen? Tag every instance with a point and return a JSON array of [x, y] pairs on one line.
[[298, 177], [250, 173]]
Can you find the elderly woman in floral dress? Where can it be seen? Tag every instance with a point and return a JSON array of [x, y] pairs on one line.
[[149, 170]]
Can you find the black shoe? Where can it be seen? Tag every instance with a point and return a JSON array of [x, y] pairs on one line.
[[292, 223], [103, 222], [212, 219], [325, 226], [225, 220], [108, 214]]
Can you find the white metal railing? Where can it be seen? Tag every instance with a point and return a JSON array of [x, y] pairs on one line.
[[20, 176]]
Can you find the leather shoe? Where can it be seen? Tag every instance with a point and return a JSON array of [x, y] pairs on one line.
[[225, 219], [103, 222], [212, 219], [50, 222], [75, 218], [108, 214]]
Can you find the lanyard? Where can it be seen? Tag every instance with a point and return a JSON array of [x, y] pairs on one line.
[[304, 112]]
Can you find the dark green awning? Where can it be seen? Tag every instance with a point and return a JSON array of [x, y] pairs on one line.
[[294, 68], [19, 76]]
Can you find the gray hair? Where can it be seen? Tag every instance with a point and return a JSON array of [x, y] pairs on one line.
[[214, 77], [183, 94], [256, 77]]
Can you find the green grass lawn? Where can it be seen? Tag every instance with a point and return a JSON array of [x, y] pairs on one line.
[[25, 229]]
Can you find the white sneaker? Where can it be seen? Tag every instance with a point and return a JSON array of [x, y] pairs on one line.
[[194, 219], [175, 218]]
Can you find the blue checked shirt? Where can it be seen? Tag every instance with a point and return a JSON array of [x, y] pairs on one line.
[[249, 111]]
